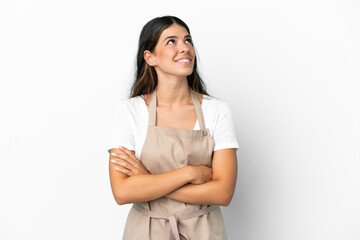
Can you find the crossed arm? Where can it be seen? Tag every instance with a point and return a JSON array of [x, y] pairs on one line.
[[130, 182]]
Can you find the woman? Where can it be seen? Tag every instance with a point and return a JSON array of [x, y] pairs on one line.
[[176, 175]]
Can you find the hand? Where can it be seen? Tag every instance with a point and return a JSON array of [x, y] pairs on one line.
[[201, 174], [126, 162]]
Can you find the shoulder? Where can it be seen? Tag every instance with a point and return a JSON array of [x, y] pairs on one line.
[[217, 114], [214, 105], [129, 104], [131, 107], [219, 120]]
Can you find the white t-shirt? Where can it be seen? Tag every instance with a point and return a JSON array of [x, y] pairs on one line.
[[131, 116]]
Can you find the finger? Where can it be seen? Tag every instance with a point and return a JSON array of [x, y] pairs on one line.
[[114, 153], [127, 151], [128, 159], [123, 170], [123, 151], [117, 154], [123, 163]]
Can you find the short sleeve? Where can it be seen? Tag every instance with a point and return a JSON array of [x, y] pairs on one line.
[[121, 128], [224, 132]]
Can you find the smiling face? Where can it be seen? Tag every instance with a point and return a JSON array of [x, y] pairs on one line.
[[173, 54]]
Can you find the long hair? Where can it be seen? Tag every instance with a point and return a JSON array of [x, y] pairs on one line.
[[145, 75]]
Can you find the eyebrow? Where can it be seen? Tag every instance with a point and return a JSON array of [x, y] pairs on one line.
[[177, 37]]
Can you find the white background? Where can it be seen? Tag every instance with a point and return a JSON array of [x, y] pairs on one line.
[[288, 69]]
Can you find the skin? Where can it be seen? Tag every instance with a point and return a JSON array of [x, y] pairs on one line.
[[130, 181]]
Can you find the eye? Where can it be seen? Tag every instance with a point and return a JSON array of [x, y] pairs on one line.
[[171, 40], [189, 40]]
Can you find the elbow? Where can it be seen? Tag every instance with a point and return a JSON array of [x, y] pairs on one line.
[[121, 194], [225, 202], [222, 195], [120, 199], [226, 199]]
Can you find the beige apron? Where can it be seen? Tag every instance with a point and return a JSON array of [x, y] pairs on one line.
[[166, 149]]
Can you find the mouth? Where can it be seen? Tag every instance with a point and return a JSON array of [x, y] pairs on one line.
[[184, 60]]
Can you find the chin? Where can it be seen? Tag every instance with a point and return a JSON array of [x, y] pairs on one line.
[[185, 74]]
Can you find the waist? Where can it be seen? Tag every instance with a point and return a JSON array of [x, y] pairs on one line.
[[171, 221]]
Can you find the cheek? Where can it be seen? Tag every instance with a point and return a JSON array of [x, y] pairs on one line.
[[170, 54], [166, 58], [192, 52]]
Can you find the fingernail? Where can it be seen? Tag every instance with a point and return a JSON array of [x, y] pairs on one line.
[[112, 160], [120, 147], [114, 154]]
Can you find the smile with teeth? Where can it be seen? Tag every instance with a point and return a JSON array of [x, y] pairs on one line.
[[184, 60]]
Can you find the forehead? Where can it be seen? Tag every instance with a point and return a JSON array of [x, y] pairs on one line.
[[174, 30]]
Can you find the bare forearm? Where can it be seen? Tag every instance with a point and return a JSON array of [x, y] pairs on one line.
[[210, 193], [142, 188]]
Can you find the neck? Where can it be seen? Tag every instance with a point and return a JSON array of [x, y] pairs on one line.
[[173, 92]]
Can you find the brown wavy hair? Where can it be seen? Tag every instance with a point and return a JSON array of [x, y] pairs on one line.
[[145, 75]]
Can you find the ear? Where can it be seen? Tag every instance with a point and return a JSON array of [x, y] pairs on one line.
[[149, 58]]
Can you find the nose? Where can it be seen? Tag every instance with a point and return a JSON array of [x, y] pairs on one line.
[[184, 47]]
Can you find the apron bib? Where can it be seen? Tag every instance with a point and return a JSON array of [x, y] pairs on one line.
[[166, 149]]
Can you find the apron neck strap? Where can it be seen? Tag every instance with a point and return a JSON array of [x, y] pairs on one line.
[[199, 112], [197, 105]]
